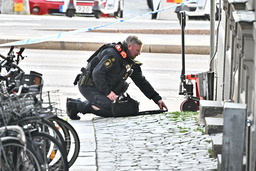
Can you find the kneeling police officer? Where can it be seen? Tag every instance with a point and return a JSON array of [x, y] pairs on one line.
[[104, 79]]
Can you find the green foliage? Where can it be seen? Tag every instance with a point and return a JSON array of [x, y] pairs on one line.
[[183, 129], [199, 129], [210, 151], [184, 116], [188, 116], [181, 116]]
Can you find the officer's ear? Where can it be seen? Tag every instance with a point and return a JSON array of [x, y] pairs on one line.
[[129, 46]]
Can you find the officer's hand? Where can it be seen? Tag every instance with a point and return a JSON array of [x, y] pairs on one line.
[[112, 96], [162, 105]]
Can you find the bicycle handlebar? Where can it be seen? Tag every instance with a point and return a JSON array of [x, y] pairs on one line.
[[9, 59], [3, 57], [10, 51], [14, 72], [21, 50]]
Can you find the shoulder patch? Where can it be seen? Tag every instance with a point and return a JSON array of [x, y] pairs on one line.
[[123, 54], [118, 47], [120, 50]]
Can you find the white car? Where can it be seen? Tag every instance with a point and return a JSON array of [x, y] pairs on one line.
[[199, 9]]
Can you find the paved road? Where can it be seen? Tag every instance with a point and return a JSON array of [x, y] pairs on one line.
[[38, 27], [59, 69], [22, 27]]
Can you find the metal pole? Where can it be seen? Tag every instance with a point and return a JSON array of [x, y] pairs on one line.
[[183, 24], [212, 29], [182, 76]]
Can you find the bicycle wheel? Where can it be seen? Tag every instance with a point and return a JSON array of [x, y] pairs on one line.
[[70, 137], [54, 155], [43, 125], [15, 157]]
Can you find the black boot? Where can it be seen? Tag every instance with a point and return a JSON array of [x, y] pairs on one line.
[[72, 109], [84, 107]]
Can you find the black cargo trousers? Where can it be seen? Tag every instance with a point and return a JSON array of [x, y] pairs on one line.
[[96, 98]]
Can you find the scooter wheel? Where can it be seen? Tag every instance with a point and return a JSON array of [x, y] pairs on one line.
[[189, 105]]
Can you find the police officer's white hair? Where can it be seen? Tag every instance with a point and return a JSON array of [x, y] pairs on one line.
[[133, 40]]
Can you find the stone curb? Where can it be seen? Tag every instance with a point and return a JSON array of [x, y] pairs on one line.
[[148, 48], [92, 46], [138, 31]]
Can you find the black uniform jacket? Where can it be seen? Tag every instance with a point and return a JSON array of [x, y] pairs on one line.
[[113, 67]]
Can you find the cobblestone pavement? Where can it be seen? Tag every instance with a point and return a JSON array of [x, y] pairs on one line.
[[152, 142]]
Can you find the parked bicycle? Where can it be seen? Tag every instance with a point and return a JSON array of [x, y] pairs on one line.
[[15, 153], [54, 141]]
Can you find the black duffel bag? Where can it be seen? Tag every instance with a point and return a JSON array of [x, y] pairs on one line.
[[124, 105]]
